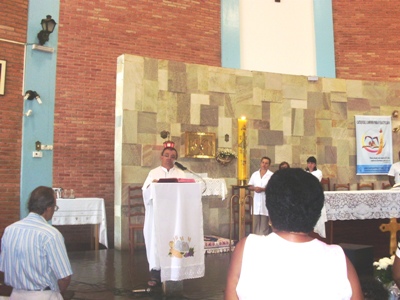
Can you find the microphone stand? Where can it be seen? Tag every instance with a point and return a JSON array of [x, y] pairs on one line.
[[183, 168], [202, 179]]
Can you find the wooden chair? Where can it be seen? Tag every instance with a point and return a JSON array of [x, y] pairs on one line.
[[365, 186], [341, 186], [386, 186], [136, 217], [326, 184]]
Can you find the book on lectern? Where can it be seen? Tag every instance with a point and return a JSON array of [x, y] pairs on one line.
[[176, 180]]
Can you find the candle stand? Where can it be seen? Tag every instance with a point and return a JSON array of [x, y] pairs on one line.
[[240, 212]]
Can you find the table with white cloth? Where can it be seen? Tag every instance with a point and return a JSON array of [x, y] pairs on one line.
[[81, 211], [174, 230], [360, 205], [213, 187], [356, 217]]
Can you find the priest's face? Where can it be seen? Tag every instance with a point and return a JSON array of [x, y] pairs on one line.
[[168, 158]]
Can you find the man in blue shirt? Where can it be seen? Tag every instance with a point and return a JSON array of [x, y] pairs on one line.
[[33, 255]]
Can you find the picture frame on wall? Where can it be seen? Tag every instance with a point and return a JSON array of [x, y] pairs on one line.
[[2, 76], [200, 144]]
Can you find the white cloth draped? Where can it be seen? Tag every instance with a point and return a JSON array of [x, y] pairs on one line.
[[174, 230], [80, 211], [360, 205], [213, 187], [320, 226]]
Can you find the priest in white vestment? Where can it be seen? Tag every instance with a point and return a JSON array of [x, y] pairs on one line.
[[166, 170]]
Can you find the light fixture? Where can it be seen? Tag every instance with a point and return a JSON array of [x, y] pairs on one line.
[[226, 137], [165, 134], [396, 129], [48, 26], [29, 113], [30, 95], [395, 114]]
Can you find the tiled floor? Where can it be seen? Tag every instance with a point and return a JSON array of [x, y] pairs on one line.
[[113, 274]]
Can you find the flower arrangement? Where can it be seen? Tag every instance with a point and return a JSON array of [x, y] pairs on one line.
[[226, 152], [225, 155], [383, 269]]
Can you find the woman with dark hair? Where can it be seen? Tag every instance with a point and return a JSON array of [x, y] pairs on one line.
[[284, 165], [312, 167], [288, 263]]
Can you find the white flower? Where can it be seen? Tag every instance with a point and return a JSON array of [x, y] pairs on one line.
[[226, 152], [384, 263]]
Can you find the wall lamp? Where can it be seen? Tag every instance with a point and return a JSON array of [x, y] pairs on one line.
[[48, 26], [30, 95], [165, 134]]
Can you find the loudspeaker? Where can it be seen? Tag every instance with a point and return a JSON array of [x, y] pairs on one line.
[[362, 258]]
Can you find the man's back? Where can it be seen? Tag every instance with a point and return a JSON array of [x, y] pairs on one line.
[[33, 255]]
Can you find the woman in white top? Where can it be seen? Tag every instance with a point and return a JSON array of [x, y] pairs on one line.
[[312, 167], [288, 263], [258, 182]]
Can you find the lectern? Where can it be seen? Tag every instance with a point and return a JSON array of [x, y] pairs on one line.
[[174, 215]]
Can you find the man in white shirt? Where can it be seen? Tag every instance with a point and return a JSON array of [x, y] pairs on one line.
[[166, 170], [257, 183], [394, 173], [312, 167]]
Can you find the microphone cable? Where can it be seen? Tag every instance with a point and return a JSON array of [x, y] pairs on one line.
[[183, 168]]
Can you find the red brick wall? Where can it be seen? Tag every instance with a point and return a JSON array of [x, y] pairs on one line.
[[92, 34], [12, 27], [367, 40]]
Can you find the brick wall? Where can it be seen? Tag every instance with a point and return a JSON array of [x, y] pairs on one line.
[[367, 39], [92, 34], [12, 27]]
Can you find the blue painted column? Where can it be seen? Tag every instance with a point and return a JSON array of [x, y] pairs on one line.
[[230, 34], [40, 76], [324, 38]]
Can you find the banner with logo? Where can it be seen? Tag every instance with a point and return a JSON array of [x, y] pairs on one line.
[[374, 144]]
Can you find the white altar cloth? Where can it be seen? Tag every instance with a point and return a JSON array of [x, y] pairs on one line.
[[175, 229], [214, 187], [361, 205], [80, 211], [358, 205]]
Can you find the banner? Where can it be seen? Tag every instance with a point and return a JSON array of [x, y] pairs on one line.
[[374, 144]]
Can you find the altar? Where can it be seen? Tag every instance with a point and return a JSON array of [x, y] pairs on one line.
[[360, 205], [213, 187], [81, 211], [215, 206], [355, 217]]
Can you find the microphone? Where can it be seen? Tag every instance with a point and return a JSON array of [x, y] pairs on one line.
[[183, 168], [180, 166], [147, 290]]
